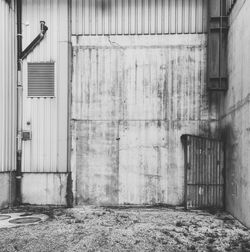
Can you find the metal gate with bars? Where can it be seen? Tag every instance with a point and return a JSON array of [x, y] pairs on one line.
[[204, 172]]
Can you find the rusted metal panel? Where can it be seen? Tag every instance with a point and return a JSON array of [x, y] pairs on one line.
[[132, 99], [116, 17], [204, 172], [46, 118], [7, 87]]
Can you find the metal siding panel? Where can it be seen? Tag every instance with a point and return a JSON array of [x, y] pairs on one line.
[[113, 6], [8, 87], [80, 17], [205, 16], [199, 13], [86, 17], [126, 17], [47, 151], [172, 14], [156, 16], [139, 13], [179, 10], [133, 17], [74, 13], [146, 20], [152, 17], [119, 16], [192, 21], [92, 17]]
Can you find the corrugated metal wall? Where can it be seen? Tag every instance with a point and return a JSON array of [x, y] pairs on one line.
[[7, 87], [204, 167], [133, 97], [45, 156], [116, 17], [46, 118]]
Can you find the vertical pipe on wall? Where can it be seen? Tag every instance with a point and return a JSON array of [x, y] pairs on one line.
[[69, 195], [19, 33], [19, 103]]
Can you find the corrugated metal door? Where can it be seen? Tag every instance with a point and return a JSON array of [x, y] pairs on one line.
[[204, 172]]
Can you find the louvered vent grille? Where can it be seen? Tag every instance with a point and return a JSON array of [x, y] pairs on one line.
[[41, 79]]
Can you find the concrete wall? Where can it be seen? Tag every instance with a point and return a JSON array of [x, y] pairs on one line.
[[7, 102], [236, 114], [7, 192], [44, 188], [132, 99]]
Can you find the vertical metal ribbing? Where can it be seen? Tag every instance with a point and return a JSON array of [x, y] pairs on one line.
[[19, 103], [204, 187], [163, 17]]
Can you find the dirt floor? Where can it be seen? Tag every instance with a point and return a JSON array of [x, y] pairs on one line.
[[127, 229]]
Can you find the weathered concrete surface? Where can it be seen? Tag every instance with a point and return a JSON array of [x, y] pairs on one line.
[[8, 93], [235, 116], [7, 186], [130, 229], [44, 188], [132, 99]]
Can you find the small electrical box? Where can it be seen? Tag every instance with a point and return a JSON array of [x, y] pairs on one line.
[[26, 135]]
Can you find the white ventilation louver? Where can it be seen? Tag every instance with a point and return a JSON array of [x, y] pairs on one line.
[[41, 79]]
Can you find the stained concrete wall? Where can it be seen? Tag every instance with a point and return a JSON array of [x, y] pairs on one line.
[[44, 188], [132, 99], [236, 114], [7, 192]]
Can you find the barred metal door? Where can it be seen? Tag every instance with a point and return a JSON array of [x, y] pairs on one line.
[[204, 172]]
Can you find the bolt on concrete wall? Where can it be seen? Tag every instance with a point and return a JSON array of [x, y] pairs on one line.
[[116, 17]]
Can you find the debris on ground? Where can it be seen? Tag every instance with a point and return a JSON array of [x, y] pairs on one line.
[[92, 228]]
